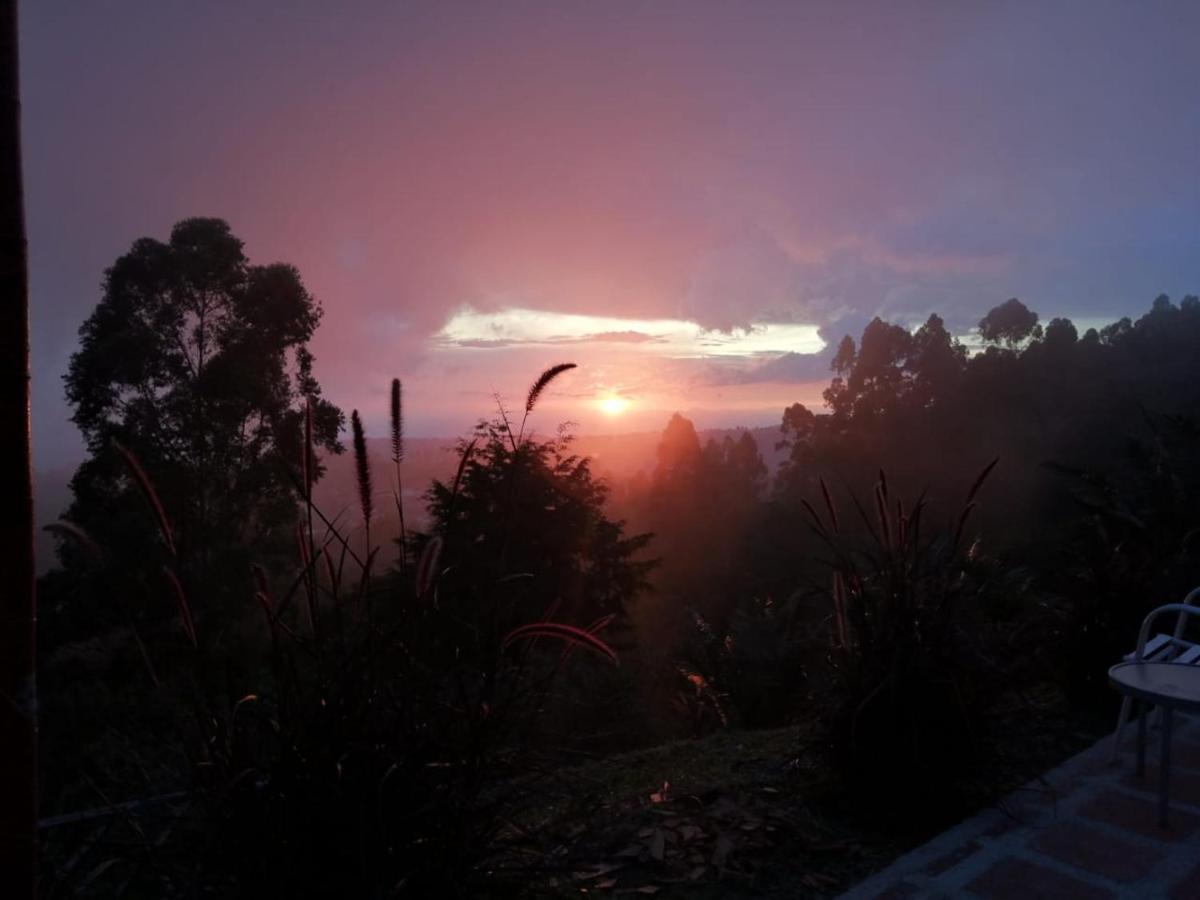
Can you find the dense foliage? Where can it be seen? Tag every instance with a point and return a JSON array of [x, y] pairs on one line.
[[376, 734], [196, 361], [962, 528], [1089, 519], [529, 511]]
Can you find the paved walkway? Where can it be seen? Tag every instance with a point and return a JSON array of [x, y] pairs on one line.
[[1086, 831]]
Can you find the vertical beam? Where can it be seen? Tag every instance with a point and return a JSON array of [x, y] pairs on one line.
[[18, 685]]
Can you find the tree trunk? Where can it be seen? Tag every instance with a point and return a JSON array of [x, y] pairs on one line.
[[18, 685]]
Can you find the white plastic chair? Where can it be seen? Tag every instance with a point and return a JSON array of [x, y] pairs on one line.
[[1172, 648]]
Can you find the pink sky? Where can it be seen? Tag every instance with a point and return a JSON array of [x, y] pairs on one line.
[[763, 167]]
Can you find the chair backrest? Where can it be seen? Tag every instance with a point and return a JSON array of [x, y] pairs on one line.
[[1192, 596], [1160, 641]]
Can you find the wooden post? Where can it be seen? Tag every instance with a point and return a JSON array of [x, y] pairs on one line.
[[18, 685]]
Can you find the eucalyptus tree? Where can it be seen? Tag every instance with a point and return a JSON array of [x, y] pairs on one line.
[[198, 362]]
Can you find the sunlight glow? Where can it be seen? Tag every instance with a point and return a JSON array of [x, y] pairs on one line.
[[613, 404]]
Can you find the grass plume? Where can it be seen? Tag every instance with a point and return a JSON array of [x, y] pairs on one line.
[[69, 530], [147, 488], [362, 471], [569, 633], [536, 390], [971, 502], [397, 416], [307, 458], [427, 569], [185, 608], [464, 459], [829, 506], [397, 422], [543, 381], [987, 470]]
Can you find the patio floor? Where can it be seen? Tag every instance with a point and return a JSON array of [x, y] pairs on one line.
[[1084, 830]]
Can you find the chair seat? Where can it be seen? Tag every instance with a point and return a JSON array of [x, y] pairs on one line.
[[1189, 657], [1165, 648]]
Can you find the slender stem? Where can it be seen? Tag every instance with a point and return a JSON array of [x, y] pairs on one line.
[[400, 513]]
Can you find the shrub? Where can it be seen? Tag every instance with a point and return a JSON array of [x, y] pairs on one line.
[[752, 675], [909, 676], [1132, 544]]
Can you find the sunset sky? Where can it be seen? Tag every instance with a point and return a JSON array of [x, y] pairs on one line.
[[693, 201]]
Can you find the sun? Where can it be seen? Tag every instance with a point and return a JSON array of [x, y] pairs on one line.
[[613, 404]]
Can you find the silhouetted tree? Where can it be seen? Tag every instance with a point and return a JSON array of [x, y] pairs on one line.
[[678, 451], [699, 506], [1010, 323], [1060, 334], [529, 535], [869, 379], [802, 432], [744, 469], [917, 406], [936, 363], [198, 362], [799, 424]]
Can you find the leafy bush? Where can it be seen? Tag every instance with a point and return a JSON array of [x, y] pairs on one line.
[[910, 675], [751, 676], [1133, 544]]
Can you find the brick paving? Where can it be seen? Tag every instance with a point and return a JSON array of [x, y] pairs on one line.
[[1085, 831]]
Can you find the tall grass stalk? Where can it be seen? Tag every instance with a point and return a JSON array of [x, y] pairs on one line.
[[146, 487], [537, 388], [396, 409]]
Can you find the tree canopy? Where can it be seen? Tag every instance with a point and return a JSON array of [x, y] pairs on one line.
[[891, 370], [198, 362], [698, 504], [1010, 323], [528, 522], [919, 405]]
